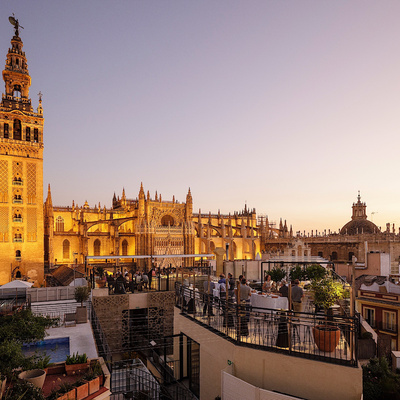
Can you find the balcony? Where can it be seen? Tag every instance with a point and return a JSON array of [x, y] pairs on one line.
[[17, 240], [17, 219], [270, 329], [17, 201], [17, 183]]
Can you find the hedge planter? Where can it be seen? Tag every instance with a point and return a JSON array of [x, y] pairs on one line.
[[94, 385], [326, 337], [68, 396], [82, 391]]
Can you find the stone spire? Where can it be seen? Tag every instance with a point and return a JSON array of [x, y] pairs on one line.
[[16, 77]]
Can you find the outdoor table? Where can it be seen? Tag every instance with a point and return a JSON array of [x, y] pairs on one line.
[[265, 301]]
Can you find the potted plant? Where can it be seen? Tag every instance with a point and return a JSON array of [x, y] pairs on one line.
[[326, 292], [81, 294], [92, 376], [34, 376], [82, 389], [65, 392], [75, 363]]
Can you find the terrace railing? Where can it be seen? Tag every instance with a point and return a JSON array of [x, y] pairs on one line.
[[269, 329]]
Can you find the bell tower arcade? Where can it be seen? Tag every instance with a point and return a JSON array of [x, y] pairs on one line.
[[21, 171]]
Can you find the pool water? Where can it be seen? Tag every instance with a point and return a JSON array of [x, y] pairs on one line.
[[57, 349]]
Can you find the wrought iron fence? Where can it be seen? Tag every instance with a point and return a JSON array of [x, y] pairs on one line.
[[298, 334]]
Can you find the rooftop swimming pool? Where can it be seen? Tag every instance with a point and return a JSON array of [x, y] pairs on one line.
[[56, 349]]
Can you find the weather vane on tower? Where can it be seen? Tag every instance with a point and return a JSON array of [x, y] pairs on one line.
[[15, 23]]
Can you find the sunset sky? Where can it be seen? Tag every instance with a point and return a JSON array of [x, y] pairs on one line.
[[288, 106]]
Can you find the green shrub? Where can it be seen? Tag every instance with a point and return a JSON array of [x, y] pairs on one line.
[[22, 389], [327, 292], [297, 273], [366, 335], [277, 274], [379, 382], [315, 272], [93, 372], [76, 359], [81, 294]]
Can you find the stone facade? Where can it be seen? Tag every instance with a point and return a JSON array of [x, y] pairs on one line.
[[146, 226]]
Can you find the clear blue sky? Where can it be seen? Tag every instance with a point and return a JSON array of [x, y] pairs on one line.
[[290, 106]]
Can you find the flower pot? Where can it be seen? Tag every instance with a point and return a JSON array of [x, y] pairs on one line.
[[82, 391], [326, 337], [81, 315], [94, 385], [75, 368], [34, 376], [71, 395]]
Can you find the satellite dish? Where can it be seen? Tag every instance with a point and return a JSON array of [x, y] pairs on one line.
[[12, 20]]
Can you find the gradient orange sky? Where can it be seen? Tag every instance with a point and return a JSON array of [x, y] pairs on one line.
[[289, 106]]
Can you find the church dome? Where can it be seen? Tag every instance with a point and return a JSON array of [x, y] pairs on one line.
[[359, 226], [359, 222]]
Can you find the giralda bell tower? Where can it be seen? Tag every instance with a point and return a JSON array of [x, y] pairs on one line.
[[21, 171]]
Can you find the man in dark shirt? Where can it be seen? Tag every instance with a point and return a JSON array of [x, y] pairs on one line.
[[284, 290]]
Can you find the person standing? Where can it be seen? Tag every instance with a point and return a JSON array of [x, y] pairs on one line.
[[208, 297], [244, 295], [297, 296]]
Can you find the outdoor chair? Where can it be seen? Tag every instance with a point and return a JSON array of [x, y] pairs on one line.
[[70, 319]]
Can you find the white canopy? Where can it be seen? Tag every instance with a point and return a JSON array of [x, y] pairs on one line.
[[17, 284]]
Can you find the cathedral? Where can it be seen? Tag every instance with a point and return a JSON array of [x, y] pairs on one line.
[[145, 226]]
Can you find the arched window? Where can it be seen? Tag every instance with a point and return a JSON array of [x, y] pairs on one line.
[[17, 129], [334, 256], [351, 254], [124, 248], [60, 224], [6, 131], [320, 254], [28, 134], [167, 220], [96, 247], [18, 255], [35, 135], [66, 249], [17, 88]]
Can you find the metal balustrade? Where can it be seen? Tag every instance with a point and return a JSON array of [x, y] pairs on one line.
[[269, 329]]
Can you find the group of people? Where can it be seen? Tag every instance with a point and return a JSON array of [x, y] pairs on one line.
[[120, 283], [242, 293], [297, 294]]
